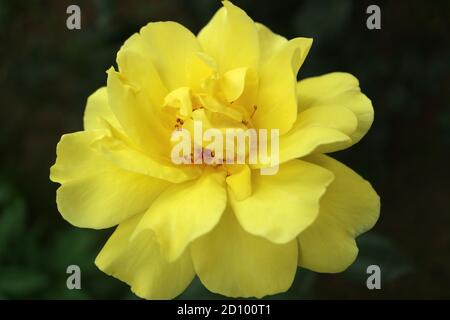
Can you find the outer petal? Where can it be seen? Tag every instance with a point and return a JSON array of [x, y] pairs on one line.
[[337, 89], [234, 263], [277, 95], [284, 204], [349, 207], [94, 193], [318, 129], [97, 110], [139, 263], [231, 39], [186, 211], [75, 159]]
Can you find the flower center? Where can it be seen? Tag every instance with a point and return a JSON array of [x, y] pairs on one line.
[[223, 107]]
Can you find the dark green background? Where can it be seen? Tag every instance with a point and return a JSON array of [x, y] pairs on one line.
[[47, 72]]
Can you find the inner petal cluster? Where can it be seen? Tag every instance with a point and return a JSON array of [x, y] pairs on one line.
[[219, 103]]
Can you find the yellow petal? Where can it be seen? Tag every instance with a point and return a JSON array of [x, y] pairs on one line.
[[240, 87], [136, 66], [131, 159], [133, 111], [180, 99], [349, 207], [233, 83], [269, 42], [75, 158], [170, 45], [200, 68], [277, 95], [234, 263], [231, 39], [139, 263], [337, 89], [284, 204], [336, 117], [185, 211], [216, 106], [93, 192], [240, 181], [319, 129], [97, 110]]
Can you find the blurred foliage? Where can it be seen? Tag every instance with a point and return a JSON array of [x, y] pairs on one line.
[[47, 72], [380, 251]]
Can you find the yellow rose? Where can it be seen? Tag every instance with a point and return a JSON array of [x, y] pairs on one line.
[[242, 233]]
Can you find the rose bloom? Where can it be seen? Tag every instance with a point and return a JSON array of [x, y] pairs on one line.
[[242, 233]]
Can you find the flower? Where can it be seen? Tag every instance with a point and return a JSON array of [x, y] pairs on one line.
[[242, 233]]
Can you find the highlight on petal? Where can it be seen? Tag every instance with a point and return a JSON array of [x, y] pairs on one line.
[[232, 262], [185, 211], [231, 39], [139, 263], [282, 205], [94, 193], [349, 207], [337, 89]]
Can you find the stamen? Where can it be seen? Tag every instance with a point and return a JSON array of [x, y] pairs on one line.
[[254, 110], [179, 124]]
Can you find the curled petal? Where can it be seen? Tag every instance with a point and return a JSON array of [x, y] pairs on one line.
[[94, 193]]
